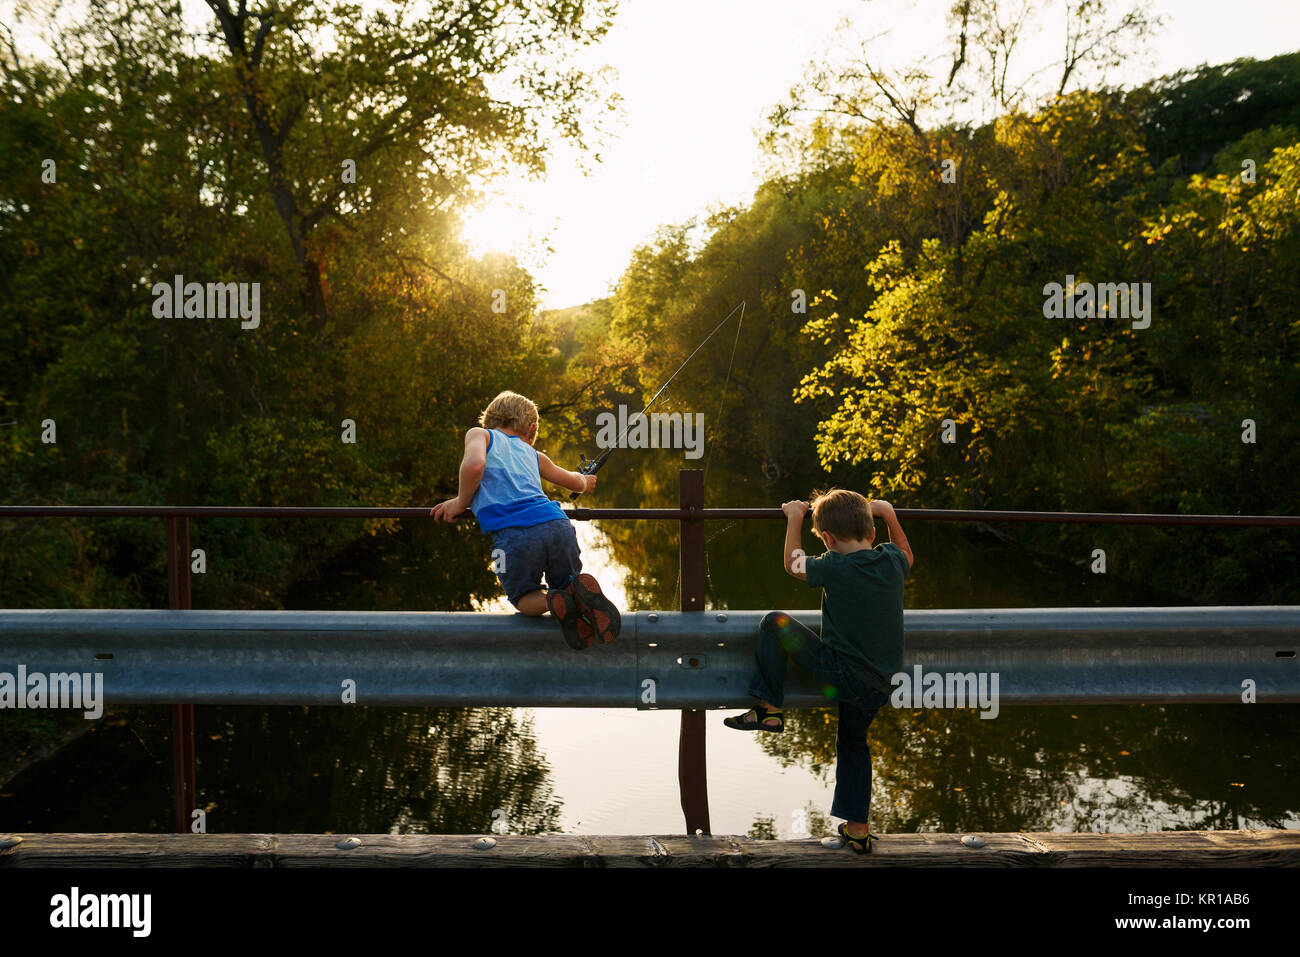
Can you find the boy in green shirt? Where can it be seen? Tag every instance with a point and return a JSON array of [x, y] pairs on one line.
[[861, 644]]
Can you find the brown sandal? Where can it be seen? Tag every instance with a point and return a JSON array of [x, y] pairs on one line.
[[598, 610], [562, 604]]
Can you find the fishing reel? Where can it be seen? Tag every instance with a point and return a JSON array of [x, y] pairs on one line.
[[589, 467], [584, 468]]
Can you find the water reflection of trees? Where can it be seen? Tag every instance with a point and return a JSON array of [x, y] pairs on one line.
[[420, 566], [300, 770], [1068, 769], [376, 770]]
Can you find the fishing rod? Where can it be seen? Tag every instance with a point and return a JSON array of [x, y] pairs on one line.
[[592, 466]]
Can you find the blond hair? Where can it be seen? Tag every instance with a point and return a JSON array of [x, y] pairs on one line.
[[843, 513], [509, 410]]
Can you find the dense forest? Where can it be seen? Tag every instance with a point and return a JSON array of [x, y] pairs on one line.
[[895, 274], [326, 156], [926, 303]]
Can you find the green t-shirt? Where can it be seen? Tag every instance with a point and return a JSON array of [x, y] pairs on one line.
[[862, 609]]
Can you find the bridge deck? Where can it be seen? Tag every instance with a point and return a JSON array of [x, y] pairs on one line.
[[1280, 848]]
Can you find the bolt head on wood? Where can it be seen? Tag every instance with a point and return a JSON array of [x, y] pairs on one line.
[[485, 843], [9, 840], [834, 843], [348, 843], [973, 840]]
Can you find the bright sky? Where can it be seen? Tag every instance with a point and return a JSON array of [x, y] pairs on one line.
[[697, 77]]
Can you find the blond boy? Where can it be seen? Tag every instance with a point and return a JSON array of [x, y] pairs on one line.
[[500, 482]]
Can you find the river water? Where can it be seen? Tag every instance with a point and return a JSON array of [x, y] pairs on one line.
[[373, 770]]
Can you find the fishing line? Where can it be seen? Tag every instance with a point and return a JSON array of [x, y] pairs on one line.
[[708, 571], [729, 525], [723, 398], [593, 466]]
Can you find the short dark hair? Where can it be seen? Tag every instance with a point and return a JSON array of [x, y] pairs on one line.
[[843, 513]]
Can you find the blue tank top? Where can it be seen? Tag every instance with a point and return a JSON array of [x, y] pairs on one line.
[[510, 493]]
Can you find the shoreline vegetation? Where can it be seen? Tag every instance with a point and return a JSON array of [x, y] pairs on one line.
[[897, 340]]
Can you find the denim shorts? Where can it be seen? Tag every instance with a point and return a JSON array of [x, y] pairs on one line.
[[549, 549]]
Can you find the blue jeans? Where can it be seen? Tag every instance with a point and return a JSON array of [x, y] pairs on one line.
[[779, 637]]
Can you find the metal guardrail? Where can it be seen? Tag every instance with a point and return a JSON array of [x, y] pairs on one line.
[[672, 660]]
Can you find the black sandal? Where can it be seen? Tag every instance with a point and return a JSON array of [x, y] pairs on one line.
[[760, 716], [860, 845]]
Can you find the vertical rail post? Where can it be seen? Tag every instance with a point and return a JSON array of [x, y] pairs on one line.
[[178, 596], [187, 710], [692, 777]]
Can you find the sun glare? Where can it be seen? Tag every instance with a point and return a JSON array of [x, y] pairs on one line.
[[498, 226]]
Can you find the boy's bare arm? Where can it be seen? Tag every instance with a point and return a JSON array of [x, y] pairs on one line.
[[471, 474], [886, 511], [573, 481], [795, 512]]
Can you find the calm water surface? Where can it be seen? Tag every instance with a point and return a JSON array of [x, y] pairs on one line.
[[368, 770]]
